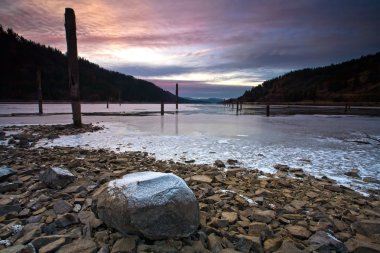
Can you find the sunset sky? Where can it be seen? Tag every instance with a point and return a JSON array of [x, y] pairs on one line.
[[213, 48]]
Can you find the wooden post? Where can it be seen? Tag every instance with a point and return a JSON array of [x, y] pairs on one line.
[[162, 107], [176, 94], [72, 57], [237, 107], [108, 100], [40, 111], [268, 110]]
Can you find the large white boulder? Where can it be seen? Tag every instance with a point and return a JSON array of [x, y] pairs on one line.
[[153, 204]]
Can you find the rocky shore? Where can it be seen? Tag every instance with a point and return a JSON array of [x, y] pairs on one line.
[[240, 210]]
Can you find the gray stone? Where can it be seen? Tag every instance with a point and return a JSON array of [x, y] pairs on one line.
[[5, 209], [247, 243], [157, 205], [281, 167], [367, 227], [61, 207], [67, 220], [6, 172], [325, 242], [57, 177], [8, 187], [219, 164]]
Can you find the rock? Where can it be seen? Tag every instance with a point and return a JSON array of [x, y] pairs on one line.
[[218, 223], [157, 205], [201, 179], [29, 232], [281, 167], [371, 180], [232, 161], [214, 243], [19, 249], [246, 243], [66, 219], [358, 246], [80, 245], [57, 177], [5, 209], [90, 218], [288, 246], [298, 231], [42, 241], [325, 242], [34, 219], [8, 187], [367, 227], [125, 245], [263, 216], [219, 164], [272, 244], [298, 204], [352, 173], [61, 207], [6, 172], [230, 216], [259, 229], [77, 208], [53, 246]]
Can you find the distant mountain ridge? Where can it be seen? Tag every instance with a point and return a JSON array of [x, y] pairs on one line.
[[356, 80], [20, 58]]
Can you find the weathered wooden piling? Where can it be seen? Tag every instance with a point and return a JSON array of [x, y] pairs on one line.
[[237, 107], [268, 110], [108, 101], [72, 57], [39, 87], [176, 95], [162, 108]]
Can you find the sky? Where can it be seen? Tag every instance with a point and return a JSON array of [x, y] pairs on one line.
[[212, 48]]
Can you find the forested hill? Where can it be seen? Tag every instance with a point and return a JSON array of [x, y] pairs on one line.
[[352, 81], [20, 58]]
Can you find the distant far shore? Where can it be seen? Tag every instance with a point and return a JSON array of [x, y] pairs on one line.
[[301, 103]]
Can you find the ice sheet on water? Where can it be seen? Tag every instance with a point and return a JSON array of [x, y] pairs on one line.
[[310, 143]]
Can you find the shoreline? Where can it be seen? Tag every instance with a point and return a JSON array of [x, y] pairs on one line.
[[241, 210]]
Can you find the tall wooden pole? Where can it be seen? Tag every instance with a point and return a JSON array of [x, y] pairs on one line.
[[162, 107], [39, 85], [176, 94], [72, 57]]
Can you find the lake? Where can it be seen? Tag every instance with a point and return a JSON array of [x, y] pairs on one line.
[[321, 145]]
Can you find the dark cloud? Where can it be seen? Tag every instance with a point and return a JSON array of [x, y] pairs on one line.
[[254, 40]]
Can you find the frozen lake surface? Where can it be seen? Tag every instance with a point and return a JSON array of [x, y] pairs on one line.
[[320, 145]]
